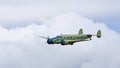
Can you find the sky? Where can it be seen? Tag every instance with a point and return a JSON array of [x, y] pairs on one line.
[[29, 12], [22, 21]]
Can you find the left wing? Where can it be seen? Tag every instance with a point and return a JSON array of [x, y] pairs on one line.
[[43, 37]]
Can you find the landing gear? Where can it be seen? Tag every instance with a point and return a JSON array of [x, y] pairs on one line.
[[71, 44]]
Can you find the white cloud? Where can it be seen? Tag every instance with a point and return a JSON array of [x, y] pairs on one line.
[[23, 10], [21, 48]]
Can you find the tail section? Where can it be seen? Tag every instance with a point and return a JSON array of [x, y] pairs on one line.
[[80, 31], [99, 34]]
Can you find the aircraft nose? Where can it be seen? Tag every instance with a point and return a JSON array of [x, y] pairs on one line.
[[49, 41]]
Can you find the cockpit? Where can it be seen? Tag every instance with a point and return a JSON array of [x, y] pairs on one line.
[[59, 36]]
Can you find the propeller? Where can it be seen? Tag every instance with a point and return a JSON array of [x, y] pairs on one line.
[[49, 41]]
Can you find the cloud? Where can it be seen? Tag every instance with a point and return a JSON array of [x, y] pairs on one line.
[[21, 47], [14, 12]]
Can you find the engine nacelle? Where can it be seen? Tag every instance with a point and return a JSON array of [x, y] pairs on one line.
[[63, 42], [49, 41]]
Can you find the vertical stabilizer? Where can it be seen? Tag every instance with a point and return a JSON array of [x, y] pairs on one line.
[[99, 34], [80, 31]]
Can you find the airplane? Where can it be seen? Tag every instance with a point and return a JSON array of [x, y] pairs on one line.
[[70, 39]]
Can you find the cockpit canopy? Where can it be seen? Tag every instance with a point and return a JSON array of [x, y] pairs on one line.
[[59, 36]]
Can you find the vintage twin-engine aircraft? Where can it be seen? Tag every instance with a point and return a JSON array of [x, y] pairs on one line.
[[70, 39]]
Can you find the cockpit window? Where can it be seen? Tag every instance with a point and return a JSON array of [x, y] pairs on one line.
[[59, 36]]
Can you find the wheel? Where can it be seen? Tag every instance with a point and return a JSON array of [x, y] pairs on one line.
[[71, 44]]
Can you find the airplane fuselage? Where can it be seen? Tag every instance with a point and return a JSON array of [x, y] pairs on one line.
[[69, 39]]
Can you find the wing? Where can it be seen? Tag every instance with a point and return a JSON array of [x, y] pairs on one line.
[[43, 37]]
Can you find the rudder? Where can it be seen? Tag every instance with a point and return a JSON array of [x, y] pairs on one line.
[[99, 34], [80, 31]]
